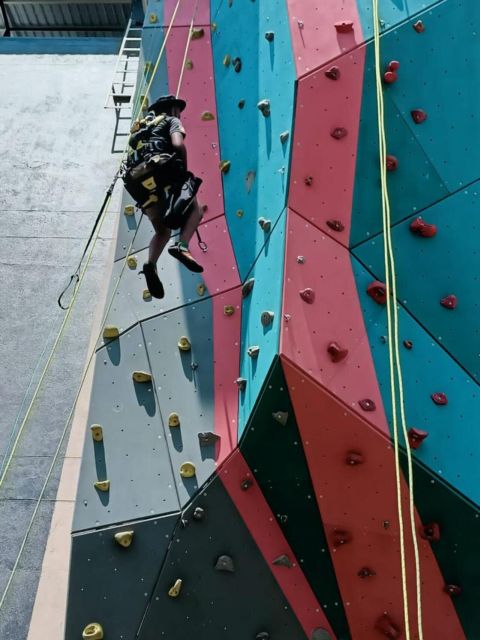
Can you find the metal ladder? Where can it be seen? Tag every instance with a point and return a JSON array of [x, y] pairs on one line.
[[122, 92]]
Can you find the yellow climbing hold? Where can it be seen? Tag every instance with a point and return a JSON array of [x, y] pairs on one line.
[[240, 213], [141, 376], [152, 18], [110, 331], [129, 210], [132, 262], [174, 591], [146, 295], [173, 420], [226, 60], [187, 470], [93, 631], [201, 288], [97, 432], [184, 344], [124, 538], [213, 27], [207, 115], [224, 166], [189, 64], [228, 310], [197, 33], [102, 485]]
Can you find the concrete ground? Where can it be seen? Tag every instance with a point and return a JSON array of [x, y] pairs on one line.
[[55, 167]]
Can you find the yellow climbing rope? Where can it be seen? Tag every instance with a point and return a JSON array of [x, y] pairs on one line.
[[394, 352], [60, 334]]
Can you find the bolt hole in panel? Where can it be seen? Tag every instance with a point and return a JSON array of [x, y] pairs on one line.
[[181, 286], [358, 506], [133, 454], [256, 183], [275, 455], [450, 450], [334, 315], [265, 295], [198, 384], [445, 264], [459, 524], [211, 603], [101, 569]]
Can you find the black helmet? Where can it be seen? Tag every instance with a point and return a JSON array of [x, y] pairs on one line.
[[164, 102]]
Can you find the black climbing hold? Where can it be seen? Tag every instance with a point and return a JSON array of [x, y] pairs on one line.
[[208, 438], [198, 514], [241, 104], [241, 383], [246, 484], [283, 561], [225, 563], [247, 287], [237, 64], [264, 106], [263, 635], [269, 35]]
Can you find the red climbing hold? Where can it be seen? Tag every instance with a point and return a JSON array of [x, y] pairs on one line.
[[388, 627], [394, 65], [335, 225], [341, 537], [419, 26], [377, 291], [418, 115], [390, 77], [353, 458], [308, 295], [392, 163], [344, 27], [367, 404], [431, 532], [308, 180], [452, 589], [333, 73], [421, 228], [416, 437], [439, 398], [338, 133], [449, 302], [336, 352], [366, 572]]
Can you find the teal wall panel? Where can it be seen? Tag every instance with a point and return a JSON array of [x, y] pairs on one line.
[[266, 295], [432, 79], [450, 450], [250, 141], [391, 13], [429, 269], [412, 187], [111, 584]]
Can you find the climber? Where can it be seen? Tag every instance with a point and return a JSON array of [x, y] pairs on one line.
[[158, 179]]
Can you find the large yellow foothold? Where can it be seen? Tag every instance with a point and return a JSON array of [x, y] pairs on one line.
[[207, 115], [146, 295], [129, 210], [141, 376], [93, 631], [198, 33], [174, 591], [228, 310], [124, 538], [152, 18], [132, 262], [184, 344], [102, 485], [201, 288], [97, 432], [224, 166], [110, 331], [187, 470], [173, 420]]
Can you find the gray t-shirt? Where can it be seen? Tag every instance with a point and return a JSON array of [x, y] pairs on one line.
[[150, 140]]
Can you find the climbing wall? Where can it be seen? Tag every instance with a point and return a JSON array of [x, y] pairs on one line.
[[238, 476]]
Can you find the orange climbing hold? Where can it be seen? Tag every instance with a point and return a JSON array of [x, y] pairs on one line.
[[416, 437]]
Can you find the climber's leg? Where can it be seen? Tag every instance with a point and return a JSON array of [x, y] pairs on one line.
[[180, 249]]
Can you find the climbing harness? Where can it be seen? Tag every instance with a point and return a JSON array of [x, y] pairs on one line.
[[394, 352]]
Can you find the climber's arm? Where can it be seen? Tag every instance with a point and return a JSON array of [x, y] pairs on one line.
[[179, 146]]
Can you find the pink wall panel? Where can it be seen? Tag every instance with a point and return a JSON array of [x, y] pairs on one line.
[[265, 531], [360, 501], [226, 358], [198, 90], [322, 106], [314, 36], [334, 315], [200, 9]]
